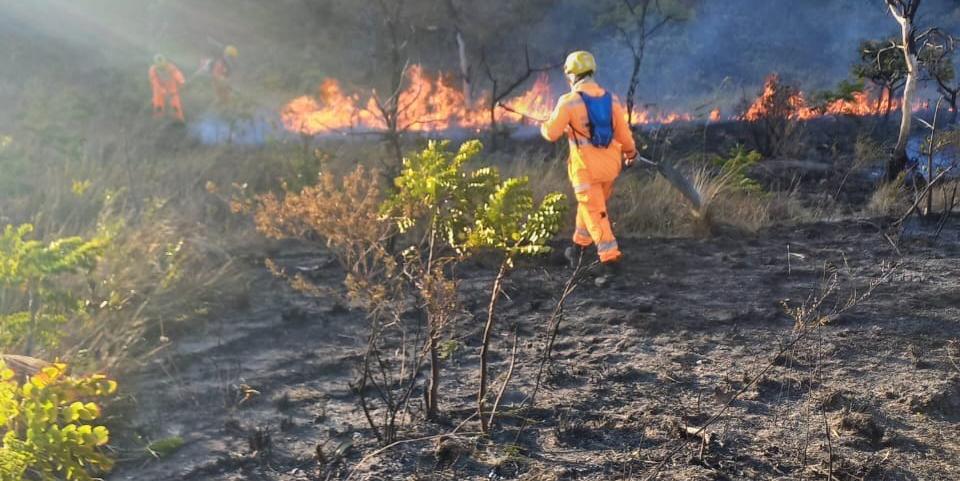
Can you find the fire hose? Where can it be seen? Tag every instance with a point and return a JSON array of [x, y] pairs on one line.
[[672, 175]]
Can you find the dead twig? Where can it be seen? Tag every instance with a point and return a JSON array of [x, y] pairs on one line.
[[807, 318], [506, 381], [923, 193], [553, 330], [406, 441]]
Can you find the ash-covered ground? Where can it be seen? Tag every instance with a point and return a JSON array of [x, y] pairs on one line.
[[638, 367]]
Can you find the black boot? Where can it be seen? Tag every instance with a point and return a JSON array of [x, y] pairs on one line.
[[609, 272]]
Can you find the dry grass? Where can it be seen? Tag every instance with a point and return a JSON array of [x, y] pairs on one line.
[[944, 193], [649, 205], [169, 264], [867, 152], [546, 173], [645, 204], [890, 198]]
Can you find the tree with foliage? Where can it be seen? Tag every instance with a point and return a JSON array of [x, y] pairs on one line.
[[32, 307], [48, 426], [882, 64], [912, 42]]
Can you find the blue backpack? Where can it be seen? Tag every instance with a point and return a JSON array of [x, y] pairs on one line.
[[600, 115]]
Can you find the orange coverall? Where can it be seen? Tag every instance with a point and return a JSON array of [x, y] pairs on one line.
[[166, 80], [220, 72], [592, 170]]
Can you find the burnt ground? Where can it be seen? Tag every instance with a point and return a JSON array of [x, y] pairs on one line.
[[687, 324]]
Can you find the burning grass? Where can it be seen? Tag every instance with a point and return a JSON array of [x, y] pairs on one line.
[[432, 103]]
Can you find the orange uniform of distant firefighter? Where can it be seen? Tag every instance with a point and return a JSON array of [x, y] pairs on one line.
[[220, 68], [592, 170], [166, 79]]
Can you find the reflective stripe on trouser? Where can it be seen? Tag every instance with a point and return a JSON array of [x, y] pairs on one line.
[[593, 221]]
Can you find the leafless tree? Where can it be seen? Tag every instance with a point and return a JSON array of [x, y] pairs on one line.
[[938, 62], [500, 88], [390, 110], [638, 21]]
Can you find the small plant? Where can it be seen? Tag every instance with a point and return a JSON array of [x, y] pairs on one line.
[[345, 214], [449, 349], [467, 212], [32, 307], [436, 195], [48, 431], [735, 167], [164, 448], [510, 224]]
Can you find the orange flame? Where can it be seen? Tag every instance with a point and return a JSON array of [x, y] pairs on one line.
[[433, 103], [862, 105], [428, 104]]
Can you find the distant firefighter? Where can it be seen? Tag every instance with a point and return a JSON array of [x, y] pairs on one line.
[[220, 68], [166, 79]]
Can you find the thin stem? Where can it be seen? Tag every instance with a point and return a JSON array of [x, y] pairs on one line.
[[506, 381], [484, 350]]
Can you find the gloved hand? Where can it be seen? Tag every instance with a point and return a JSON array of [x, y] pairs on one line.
[[629, 161]]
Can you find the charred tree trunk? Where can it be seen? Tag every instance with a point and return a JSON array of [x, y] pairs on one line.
[[390, 109], [433, 389], [464, 66], [649, 19], [461, 51], [904, 12], [632, 89], [952, 96], [887, 95]]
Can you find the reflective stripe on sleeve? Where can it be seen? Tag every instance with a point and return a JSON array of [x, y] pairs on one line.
[[580, 188]]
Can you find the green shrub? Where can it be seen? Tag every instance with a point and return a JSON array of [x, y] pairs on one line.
[[735, 167], [460, 212], [473, 209], [32, 305], [48, 431]]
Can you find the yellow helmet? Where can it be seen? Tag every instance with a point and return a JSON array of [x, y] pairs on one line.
[[579, 62], [231, 51]]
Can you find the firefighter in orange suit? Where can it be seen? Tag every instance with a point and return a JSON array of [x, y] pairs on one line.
[[220, 69], [166, 79], [597, 153]]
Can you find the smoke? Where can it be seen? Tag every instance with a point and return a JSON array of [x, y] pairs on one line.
[[737, 43], [289, 46]]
